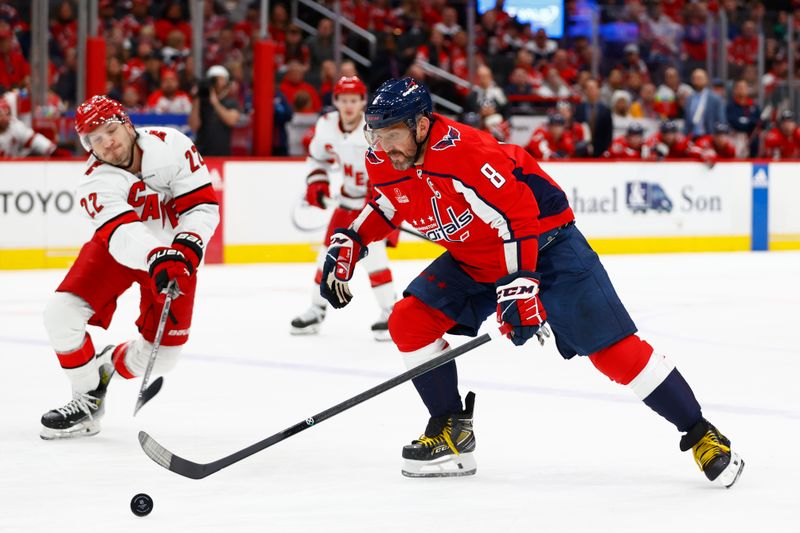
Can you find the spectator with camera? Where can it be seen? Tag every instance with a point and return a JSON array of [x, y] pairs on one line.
[[215, 112]]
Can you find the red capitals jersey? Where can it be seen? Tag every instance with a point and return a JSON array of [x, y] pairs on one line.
[[544, 146], [680, 149], [708, 151], [485, 202], [778, 146], [621, 149]]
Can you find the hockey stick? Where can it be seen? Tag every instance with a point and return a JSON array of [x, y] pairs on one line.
[[193, 470], [146, 393]]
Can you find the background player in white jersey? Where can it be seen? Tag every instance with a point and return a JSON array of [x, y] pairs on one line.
[[148, 194], [339, 139], [18, 140]]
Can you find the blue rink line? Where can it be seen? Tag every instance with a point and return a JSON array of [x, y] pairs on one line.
[[490, 385]]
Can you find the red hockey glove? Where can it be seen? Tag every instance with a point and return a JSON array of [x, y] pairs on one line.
[[191, 246], [346, 248], [317, 192], [165, 264], [519, 309]]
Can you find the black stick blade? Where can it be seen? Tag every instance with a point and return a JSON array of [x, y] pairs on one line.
[[148, 394], [170, 461]]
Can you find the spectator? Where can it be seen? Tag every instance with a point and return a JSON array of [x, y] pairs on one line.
[[704, 108], [621, 112], [633, 62], [743, 50], [615, 82], [561, 63], [214, 113], [169, 99], [716, 147], [225, 50], [278, 23], [292, 49], [138, 18], [581, 136], [645, 105], [434, 51], [553, 86], [67, 78], [519, 83], [173, 20], [449, 25], [597, 115], [783, 141], [64, 29], [320, 46], [132, 99], [486, 98], [348, 69], [669, 143], [174, 52], [524, 61], [552, 141], [18, 140], [667, 94], [629, 146], [744, 118], [281, 116], [293, 83], [541, 47], [665, 35], [329, 76], [15, 71]]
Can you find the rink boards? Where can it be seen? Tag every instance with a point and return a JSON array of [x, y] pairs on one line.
[[622, 207]]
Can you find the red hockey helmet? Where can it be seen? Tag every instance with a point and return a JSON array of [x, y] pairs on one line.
[[95, 112], [350, 85]]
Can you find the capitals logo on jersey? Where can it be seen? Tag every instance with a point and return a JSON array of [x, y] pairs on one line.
[[449, 140], [373, 158]]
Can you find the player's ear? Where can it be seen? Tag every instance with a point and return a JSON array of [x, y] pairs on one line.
[[423, 125]]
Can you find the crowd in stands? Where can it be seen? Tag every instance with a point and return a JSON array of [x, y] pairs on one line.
[[647, 97]]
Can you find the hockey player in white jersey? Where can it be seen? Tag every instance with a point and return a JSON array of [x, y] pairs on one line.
[[18, 140], [339, 140], [148, 194]]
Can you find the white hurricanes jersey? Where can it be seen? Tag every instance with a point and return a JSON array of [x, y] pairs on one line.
[[20, 141], [132, 214], [333, 147]]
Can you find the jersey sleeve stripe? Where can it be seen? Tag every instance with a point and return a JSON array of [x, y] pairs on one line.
[[105, 231], [486, 211], [202, 195]]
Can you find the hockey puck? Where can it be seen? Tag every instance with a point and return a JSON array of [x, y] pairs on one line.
[[141, 504]]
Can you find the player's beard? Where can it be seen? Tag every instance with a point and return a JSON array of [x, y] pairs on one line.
[[401, 160]]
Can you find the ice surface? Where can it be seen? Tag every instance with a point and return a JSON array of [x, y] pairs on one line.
[[560, 448]]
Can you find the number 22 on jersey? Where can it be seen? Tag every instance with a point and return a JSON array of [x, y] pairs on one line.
[[90, 204]]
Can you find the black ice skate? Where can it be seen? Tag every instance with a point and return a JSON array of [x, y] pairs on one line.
[[309, 322], [380, 329], [81, 416], [712, 453], [446, 448]]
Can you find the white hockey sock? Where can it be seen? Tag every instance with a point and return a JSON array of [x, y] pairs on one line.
[[424, 354]]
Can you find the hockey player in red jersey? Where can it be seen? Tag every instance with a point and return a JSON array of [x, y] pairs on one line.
[[716, 147], [670, 143], [148, 195], [512, 248], [783, 141], [629, 146], [553, 141], [339, 139]]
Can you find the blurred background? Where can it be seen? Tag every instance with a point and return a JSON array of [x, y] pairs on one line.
[[631, 79]]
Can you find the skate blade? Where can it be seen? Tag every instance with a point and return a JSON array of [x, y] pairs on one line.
[[308, 330], [448, 466], [81, 430], [731, 474]]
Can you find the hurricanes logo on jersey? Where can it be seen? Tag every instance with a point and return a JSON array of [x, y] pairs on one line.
[[449, 140]]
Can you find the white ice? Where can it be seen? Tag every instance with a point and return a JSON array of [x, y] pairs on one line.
[[560, 447]]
